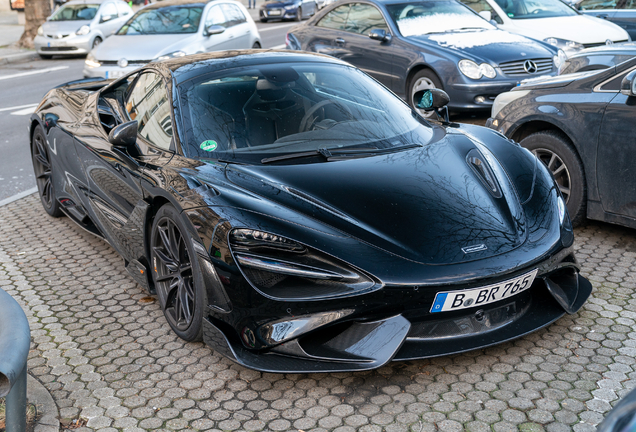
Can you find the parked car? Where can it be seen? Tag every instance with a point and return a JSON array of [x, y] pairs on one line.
[[551, 21], [581, 125], [599, 58], [620, 12], [299, 217], [296, 10], [173, 28], [415, 45], [79, 26], [622, 417]]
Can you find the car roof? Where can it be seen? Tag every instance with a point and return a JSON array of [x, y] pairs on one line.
[[73, 2]]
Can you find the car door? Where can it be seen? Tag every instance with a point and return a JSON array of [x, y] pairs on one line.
[[237, 25], [108, 19], [616, 155], [322, 37], [221, 41]]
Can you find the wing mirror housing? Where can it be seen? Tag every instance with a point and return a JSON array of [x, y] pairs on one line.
[[213, 30], [124, 135], [628, 85], [380, 35], [487, 15], [105, 18], [433, 100]]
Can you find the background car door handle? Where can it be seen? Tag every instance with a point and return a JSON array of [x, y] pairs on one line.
[[340, 41]]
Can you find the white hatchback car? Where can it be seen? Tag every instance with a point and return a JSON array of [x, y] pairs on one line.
[[79, 26], [173, 28], [551, 21]]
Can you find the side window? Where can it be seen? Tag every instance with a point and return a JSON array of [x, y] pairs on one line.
[[148, 103], [481, 6], [363, 18], [336, 19], [233, 13], [216, 17], [597, 4], [108, 12], [124, 9]]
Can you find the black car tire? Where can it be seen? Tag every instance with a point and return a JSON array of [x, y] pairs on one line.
[[256, 45], [299, 14], [264, 20], [176, 274], [96, 42], [423, 79], [315, 9], [45, 56], [555, 150], [43, 171]]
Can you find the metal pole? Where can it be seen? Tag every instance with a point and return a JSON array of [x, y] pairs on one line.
[[16, 403]]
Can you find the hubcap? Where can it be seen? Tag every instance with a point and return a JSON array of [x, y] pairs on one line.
[[558, 169], [173, 271], [42, 168], [423, 84]]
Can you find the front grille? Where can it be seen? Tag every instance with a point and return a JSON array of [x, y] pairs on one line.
[[58, 48], [52, 36], [592, 45], [130, 62], [516, 68]]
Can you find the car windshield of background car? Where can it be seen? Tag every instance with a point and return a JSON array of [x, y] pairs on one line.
[[605, 4], [248, 114], [528, 9], [427, 17], [165, 20], [76, 12]]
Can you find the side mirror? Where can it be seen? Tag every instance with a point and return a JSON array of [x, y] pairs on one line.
[[380, 35], [433, 100], [213, 29], [487, 15], [105, 18], [124, 135], [628, 85]]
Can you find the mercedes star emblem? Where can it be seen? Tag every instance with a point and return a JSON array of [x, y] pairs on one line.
[[530, 66]]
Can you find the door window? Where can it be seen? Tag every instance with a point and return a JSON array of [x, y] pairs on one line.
[[148, 103], [124, 9], [336, 19], [233, 14], [109, 12], [216, 17], [363, 18], [480, 6]]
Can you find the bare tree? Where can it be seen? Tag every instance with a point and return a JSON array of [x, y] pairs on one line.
[[35, 13]]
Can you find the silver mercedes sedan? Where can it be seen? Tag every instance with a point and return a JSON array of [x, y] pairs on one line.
[[173, 28], [79, 26]]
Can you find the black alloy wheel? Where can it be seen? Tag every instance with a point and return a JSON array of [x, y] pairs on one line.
[[43, 171], [555, 150], [176, 274]]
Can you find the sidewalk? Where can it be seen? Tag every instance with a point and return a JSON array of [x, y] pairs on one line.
[[10, 32]]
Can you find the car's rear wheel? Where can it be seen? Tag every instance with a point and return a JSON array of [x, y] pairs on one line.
[[555, 150], [423, 80], [176, 274], [96, 42], [43, 170], [299, 14]]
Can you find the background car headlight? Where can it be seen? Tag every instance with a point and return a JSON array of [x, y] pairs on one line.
[[40, 31], [504, 99], [171, 55], [83, 30], [91, 61], [290, 7], [474, 71], [284, 269], [559, 60], [564, 44]]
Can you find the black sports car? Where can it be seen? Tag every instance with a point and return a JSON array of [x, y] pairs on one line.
[[582, 126], [299, 217]]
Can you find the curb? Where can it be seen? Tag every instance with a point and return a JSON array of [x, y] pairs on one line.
[[38, 395], [18, 196], [18, 58]]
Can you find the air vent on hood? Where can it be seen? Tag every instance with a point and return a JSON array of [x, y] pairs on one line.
[[318, 203], [478, 164]]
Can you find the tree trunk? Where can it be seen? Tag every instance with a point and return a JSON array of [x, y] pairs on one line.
[[35, 13]]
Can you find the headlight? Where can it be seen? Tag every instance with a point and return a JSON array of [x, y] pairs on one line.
[[504, 99], [559, 60], [561, 209], [284, 269], [83, 30], [474, 71], [40, 31], [289, 7], [171, 55], [91, 62], [564, 44]]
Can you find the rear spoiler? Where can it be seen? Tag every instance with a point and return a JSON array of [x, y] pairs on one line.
[[85, 84]]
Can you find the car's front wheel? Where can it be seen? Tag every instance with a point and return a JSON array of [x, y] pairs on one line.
[[45, 56], [43, 170], [555, 150], [176, 274], [299, 14], [423, 80], [264, 20], [96, 42]]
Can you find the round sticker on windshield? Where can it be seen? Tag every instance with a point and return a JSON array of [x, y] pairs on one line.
[[209, 145]]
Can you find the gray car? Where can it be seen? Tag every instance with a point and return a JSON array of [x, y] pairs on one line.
[[79, 26], [173, 28]]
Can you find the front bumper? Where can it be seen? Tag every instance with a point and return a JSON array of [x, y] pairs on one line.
[[69, 45], [478, 95], [278, 13], [109, 71]]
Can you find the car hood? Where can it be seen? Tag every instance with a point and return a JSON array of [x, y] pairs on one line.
[[277, 4], [63, 27], [142, 47], [423, 205], [495, 45], [581, 28]]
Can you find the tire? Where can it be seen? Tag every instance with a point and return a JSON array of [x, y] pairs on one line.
[[181, 292], [96, 42], [299, 14], [45, 56], [264, 20], [256, 45], [423, 79], [316, 9], [43, 170], [555, 150]]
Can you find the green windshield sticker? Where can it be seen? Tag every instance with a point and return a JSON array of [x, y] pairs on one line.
[[208, 145]]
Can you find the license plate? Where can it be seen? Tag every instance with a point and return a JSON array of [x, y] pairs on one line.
[[457, 300], [274, 12], [114, 74]]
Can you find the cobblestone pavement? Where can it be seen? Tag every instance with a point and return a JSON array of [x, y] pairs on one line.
[[104, 350]]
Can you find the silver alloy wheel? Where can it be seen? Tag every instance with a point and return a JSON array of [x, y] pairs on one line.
[[423, 83], [558, 169]]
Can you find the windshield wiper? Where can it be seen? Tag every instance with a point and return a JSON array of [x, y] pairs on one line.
[[338, 154]]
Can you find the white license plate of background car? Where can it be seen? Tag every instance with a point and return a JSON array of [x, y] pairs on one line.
[[114, 74], [457, 300], [274, 12]]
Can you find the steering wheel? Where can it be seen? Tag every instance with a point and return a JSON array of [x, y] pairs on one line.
[[307, 121]]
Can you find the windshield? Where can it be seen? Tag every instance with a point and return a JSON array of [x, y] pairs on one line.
[[253, 114], [165, 20], [419, 18], [528, 9], [76, 12]]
